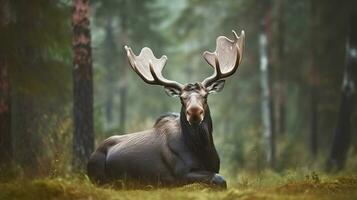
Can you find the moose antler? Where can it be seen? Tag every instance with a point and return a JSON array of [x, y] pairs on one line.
[[149, 68], [226, 58]]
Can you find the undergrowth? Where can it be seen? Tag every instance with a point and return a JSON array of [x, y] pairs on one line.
[[267, 185]]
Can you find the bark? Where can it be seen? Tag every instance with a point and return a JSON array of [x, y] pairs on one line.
[[123, 82], [342, 135], [314, 82], [83, 139], [268, 134], [6, 149], [313, 122], [123, 104], [110, 76], [280, 83]]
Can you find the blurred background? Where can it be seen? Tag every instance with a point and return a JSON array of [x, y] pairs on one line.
[[294, 111]]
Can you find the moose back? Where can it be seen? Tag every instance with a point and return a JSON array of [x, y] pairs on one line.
[[179, 148]]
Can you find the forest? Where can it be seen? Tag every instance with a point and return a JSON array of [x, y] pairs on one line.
[[284, 126]]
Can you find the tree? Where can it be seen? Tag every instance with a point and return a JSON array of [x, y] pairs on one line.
[[123, 27], [278, 62], [268, 133], [5, 114], [83, 138], [123, 83], [6, 150], [33, 52], [314, 81], [342, 134], [110, 55]]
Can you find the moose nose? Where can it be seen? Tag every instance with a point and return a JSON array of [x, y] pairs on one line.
[[194, 115], [195, 111]]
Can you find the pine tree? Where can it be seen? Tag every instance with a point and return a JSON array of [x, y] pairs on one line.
[[83, 138], [6, 150]]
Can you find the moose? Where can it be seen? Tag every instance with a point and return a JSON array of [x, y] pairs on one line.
[[179, 148]]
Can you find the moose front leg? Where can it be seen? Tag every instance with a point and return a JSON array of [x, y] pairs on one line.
[[206, 177]]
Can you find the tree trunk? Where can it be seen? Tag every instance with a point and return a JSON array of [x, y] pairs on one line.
[[110, 55], [83, 139], [313, 84], [313, 122], [123, 82], [27, 138], [342, 135], [123, 88], [279, 86], [123, 104], [6, 150], [268, 134]]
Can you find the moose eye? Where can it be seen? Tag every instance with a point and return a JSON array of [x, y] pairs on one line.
[[205, 98], [184, 98]]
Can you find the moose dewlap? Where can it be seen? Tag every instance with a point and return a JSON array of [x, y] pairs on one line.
[[179, 148]]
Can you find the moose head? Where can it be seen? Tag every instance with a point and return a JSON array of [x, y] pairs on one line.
[[224, 60]]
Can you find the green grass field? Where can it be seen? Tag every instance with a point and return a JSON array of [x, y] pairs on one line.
[[269, 185]]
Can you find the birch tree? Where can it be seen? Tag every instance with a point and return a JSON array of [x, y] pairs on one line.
[[268, 135]]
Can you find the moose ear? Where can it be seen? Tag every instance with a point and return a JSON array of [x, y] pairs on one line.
[[216, 86], [172, 92]]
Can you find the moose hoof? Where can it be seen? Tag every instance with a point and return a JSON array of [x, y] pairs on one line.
[[218, 181]]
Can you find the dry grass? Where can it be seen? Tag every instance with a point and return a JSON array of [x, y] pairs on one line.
[[266, 186]]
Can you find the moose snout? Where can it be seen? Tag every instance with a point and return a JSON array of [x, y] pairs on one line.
[[194, 114]]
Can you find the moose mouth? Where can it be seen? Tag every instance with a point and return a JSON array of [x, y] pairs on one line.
[[194, 121]]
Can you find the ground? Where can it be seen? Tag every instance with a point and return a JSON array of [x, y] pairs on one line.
[[267, 186]]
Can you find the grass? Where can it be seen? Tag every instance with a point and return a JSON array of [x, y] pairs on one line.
[[268, 185]]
